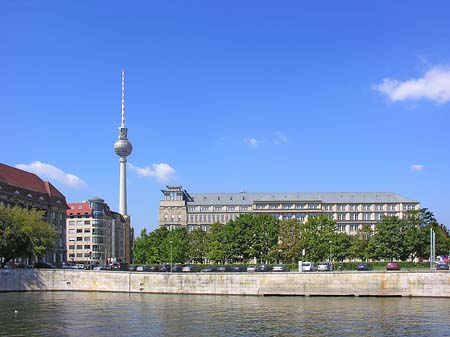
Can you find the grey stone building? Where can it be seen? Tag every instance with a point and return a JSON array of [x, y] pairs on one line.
[[350, 210]]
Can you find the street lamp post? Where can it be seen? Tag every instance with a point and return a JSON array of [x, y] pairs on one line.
[[171, 261], [331, 242]]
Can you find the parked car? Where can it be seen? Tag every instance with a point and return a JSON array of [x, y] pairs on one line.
[[153, 269], [324, 266], [44, 265], [441, 265], [392, 266], [251, 268], [308, 266], [263, 268], [364, 267], [222, 269], [100, 267], [280, 268], [165, 268], [238, 269], [209, 269], [142, 268], [177, 269], [190, 269]]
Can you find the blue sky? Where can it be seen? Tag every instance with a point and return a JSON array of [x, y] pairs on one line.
[[227, 96]]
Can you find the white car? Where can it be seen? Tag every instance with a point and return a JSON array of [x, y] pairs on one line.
[[308, 266]]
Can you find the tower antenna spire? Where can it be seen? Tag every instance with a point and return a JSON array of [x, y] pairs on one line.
[[123, 98]]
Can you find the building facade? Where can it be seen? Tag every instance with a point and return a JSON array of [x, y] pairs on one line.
[[24, 189], [95, 234], [350, 210]]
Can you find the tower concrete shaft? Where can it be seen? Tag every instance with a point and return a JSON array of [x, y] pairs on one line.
[[123, 187], [123, 148]]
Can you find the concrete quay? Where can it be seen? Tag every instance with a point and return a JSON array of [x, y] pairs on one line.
[[375, 283]]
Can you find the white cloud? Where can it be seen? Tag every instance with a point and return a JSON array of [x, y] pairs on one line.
[[53, 173], [434, 85], [417, 167], [252, 142], [280, 138], [162, 172]]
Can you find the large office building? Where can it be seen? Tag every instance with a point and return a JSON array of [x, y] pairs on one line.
[[97, 235], [350, 210], [24, 189]]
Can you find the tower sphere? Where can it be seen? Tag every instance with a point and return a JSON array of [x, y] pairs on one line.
[[123, 147]]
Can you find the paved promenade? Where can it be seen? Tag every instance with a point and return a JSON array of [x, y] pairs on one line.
[[425, 283]]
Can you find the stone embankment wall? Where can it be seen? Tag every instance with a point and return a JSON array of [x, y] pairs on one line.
[[426, 283]]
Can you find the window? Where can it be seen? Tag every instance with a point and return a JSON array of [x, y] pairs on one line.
[[79, 246], [244, 208], [204, 208], [71, 247], [79, 238], [217, 208], [231, 208], [87, 222], [79, 254], [87, 230], [341, 228], [79, 223], [87, 239], [341, 216], [341, 207], [354, 216], [380, 207], [71, 223], [353, 207], [79, 230], [87, 246], [71, 231], [391, 207]]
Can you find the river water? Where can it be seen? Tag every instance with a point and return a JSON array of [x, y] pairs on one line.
[[122, 314]]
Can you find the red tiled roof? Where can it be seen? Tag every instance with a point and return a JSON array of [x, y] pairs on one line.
[[81, 208], [27, 180], [23, 179]]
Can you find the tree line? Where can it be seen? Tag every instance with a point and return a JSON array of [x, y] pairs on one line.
[[265, 239]]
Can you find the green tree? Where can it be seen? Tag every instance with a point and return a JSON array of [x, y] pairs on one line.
[[197, 245], [24, 233], [215, 245], [289, 240], [148, 247], [360, 243], [341, 247], [318, 234], [263, 238], [175, 246], [387, 241]]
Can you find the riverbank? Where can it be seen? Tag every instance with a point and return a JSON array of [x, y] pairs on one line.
[[409, 284]]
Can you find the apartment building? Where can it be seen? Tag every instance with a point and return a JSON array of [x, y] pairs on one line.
[[350, 210], [95, 234]]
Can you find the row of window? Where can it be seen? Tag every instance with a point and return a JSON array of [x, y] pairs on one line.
[[223, 218], [326, 207], [219, 208]]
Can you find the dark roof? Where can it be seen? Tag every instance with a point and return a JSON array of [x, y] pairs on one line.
[[27, 180]]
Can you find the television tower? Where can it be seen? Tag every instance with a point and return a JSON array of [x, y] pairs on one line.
[[123, 148]]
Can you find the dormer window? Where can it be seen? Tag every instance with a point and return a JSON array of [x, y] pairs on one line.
[[29, 195], [16, 192], [58, 202], [41, 198]]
